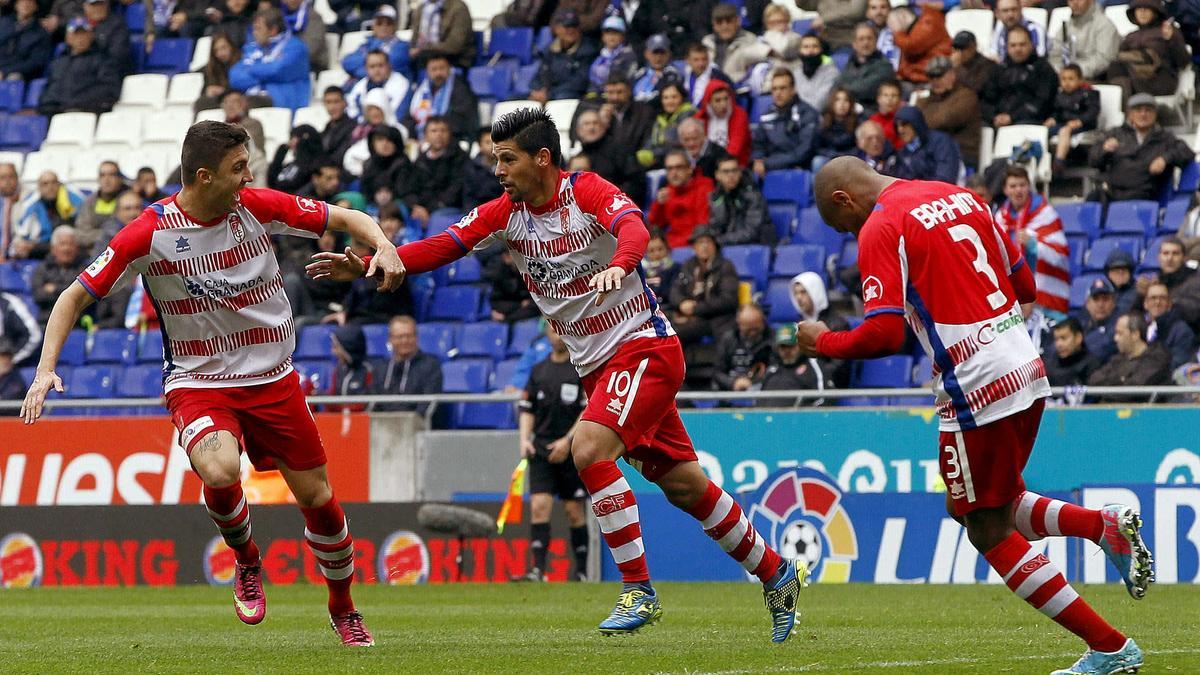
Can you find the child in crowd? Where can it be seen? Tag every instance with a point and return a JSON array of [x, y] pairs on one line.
[[887, 102], [1076, 110]]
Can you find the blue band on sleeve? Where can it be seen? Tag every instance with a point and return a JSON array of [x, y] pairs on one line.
[[458, 241], [884, 310]]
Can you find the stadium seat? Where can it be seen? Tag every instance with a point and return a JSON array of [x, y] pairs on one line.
[[1150, 255], [313, 115], [890, 371], [75, 348], [523, 334], [456, 303], [1174, 215], [438, 339], [71, 129], [277, 126], [23, 133], [514, 42], [140, 382], [33, 92], [12, 280], [779, 301], [12, 94], [504, 107], [1079, 288], [318, 373], [562, 112], [849, 254], [682, 254], [92, 381], [520, 83], [441, 219], [752, 262], [135, 18], [377, 340], [334, 77], [1013, 135], [315, 342], [484, 338], [759, 105], [499, 415], [83, 165], [788, 185], [1116, 14], [463, 376], [1136, 216], [797, 258], [184, 89], [350, 42], [17, 159], [1103, 246], [922, 372], [493, 82], [976, 21], [148, 90], [502, 373], [201, 53], [112, 345], [119, 130], [1080, 217], [165, 126], [56, 160], [1077, 243], [210, 114], [1189, 179], [150, 347], [169, 55], [464, 271]]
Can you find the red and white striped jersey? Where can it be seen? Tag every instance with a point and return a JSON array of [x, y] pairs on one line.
[[215, 285], [1051, 254], [558, 248], [932, 252]]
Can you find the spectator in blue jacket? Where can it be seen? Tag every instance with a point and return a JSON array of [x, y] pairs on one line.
[[25, 47], [926, 154], [276, 63], [786, 137], [44, 208], [382, 38], [565, 64]]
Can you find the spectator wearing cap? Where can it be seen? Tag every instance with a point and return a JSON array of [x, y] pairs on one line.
[[25, 47], [616, 57], [1069, 363], [1033, 224], [275, 63], [1136, 158], [817, 73], [743, 354], [924, 154], [442, 27], [737, 211], [1008, 16], [786, 136], [788, 370], [836, 19], [726, 124], [867, 67], [658, 71], [565, 63], [952, 108], [704, 294], [111, 33], [379, 76], [1167, 327], [444, 94], [1150, 58], [1136, 363], [920, 39], [1087, 39], [382, 38], [681, 205], [303, 21], [732, 49], [99, 205], [12, 385], [1023, 91], [1098, 318], [971, 69], [83, 78], [1119, 267]]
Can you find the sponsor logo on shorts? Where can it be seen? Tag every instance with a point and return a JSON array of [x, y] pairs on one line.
[[193, 429], [615, 406], [100, 262], [403, 559], [20, 561], [610, 504]]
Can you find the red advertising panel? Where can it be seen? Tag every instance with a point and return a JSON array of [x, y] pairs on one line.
[[135, 460]]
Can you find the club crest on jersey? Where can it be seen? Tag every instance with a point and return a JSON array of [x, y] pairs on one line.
[[564, 218], [872, 289], [307, 204], [236, 228]]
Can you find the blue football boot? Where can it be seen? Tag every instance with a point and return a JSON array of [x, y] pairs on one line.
[[1125, 660], [635, 608], [781, 598]]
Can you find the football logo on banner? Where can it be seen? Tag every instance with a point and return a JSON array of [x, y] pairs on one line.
[[403, 559], [800, 512], [20, 561]]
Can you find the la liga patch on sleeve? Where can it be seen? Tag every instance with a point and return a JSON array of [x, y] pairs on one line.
[[100, 262]]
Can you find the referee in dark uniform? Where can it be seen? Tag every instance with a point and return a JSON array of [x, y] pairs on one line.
[[553, 401]]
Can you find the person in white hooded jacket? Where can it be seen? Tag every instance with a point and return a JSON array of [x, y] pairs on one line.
[[377, 111], [811, 301]]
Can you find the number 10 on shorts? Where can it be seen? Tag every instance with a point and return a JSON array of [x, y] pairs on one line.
[[623, 385]]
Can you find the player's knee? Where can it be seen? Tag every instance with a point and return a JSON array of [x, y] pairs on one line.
[[594, 443], [217, 460], [315, 496]]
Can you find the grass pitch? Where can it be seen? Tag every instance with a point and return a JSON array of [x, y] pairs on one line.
[[710, 628]]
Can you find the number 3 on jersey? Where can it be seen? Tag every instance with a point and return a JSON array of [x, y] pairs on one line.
[[964, 232]]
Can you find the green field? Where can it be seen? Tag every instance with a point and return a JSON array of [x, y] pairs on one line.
[[709, 628]]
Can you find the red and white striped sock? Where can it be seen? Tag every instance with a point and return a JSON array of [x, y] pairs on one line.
[[617, 513], [228, 508], [723, 520], [1037, 581], [328, 535], [1037, 516]]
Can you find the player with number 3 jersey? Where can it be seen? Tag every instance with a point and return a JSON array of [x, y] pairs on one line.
[[931, 256], [577, 241]]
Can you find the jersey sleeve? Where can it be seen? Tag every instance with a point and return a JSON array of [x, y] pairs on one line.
[[603, 199], [122, 260], [282, 213], [881, 265], [481, 224]]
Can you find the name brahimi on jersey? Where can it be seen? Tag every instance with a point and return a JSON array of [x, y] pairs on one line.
[[215, 285]]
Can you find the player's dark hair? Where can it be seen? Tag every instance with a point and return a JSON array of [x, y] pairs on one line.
[[1074, 68], [205, 146], [271, 17], [1071, 324], [1137, 323], [531, 129], [1016, 171], [333, 89]]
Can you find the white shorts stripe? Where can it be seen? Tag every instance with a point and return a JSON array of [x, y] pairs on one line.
[[966, 467], [339, 554], [237, 510], [755, 556], [633, 390], [618, 519], [616, 487], [328, 539], [721, 509], [626, 552], [1029, 555], [1034, 581], [1052, 511], [1055, 605], [337, 574], [734, 537]]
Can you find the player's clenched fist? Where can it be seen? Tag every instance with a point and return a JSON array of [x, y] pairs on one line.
[[606, 282], [807, 333]]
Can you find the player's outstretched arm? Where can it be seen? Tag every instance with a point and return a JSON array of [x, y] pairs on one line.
[[64, 316], [330, 266], [385, 264], [880, 335]]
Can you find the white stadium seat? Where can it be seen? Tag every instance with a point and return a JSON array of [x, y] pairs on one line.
[[332, 41], [148, 90], [322, 8], [1058, 17], [1112, 114], [1116, 14], [977, 21], [57, 160], [1009, 137], [277, 126], [202, 51], [119, 128], [71, 129], [482, 12], [313, 115], [84, 167], [211, 114], [1180, 102], [154, 157], [185, 88], [17, 159], [165, 126], [351, 41], [1040, 17], [334, 77], [562, 112], [504, 107]]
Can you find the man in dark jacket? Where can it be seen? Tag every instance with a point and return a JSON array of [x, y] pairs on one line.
[[972, 69], [705, 292], [25, 47], [509, 297], [442, 27], [867, 67], [789, 370], [1070, 362], [83, 78], [410, 370], [786, 136], [1136, 363], [565, 63], [479, 174], [1119, 267], [112, 35], [1167, 326], [336, 136], [952, 108], [1182, 281], [1136, 158], [737, 211], [57, 271], [19, 327], [629, 121], [925, 154], [439, 171], [460, 108], [614, 162], [1023, 91], [1098, 319], [703, 154], [742, 355]]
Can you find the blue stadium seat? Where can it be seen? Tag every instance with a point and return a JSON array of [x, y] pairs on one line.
[[464, 271], [840, 58], [169, 56], [1098, 253], [377, 340], [314, 342], [801, 26], [797, 258], [1080, 217], [788, 185], [113, 345], [74, 349], [12, 94], [499, 415], [485, 338], [143, 381], [752, 261], [135, 17], [810, 229], [682, 254], [1137, 216], [890, 371], [523, 333], [759, 105], [441, 219], [922, 372], [862, 402], [783, 216], [491, 82], [779, 298], [1189, 179], [502, 373], [1150, 256], [150, 347], [437, 338], [1079, 288], [33, 93], [1077, 242], [12, 280], [318, 373], [1174, 215], [522, 79], [23, 133], [455, 303], [849, 255], [466, 376], [93, 381], [516, 42]]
